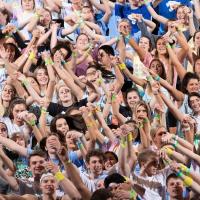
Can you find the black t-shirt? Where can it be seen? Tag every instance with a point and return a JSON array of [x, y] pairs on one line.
[[125, 111], [55, 108]]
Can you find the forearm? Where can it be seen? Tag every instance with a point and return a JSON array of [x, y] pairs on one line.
[[44, 37], [54, 40], [7, 161]]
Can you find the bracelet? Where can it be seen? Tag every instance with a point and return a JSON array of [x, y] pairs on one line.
[[89, 125], [187, 181], [100, 80], [123, 142], [97, 109], [179, 174], [175, 144], [79, 144], [168, 46], [113, 98], [122, 66], [48, 61], [63, 62], [118, 38], [31, 122], [157, 116], [31, 56], [130, 137], [68, 162], [59, 176], [185, 169], [141, 126], [157, 78], [133, 194], [25, 82], [127, 39], [149, 78], [169, 151], [145, 120], [43, 110], [37, 15], [74, 54]]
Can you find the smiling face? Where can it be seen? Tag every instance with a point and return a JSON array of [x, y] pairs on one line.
[[175, 187], [197, 40], [95, 165], [42, 76], [37, 165], [109, 161], [192, 86], [144, 44], [60, 55], [45, 18], [180, 14], [161, 47], [195, 104], [132, 99], [48, 185]]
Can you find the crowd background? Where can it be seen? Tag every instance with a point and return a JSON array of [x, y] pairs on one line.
[[99, 100]]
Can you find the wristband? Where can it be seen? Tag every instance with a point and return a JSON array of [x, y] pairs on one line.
[[187, 181], [123, 142], [43, 110], [127, 39], [25, 82], [168, 46], [175, 144], [133, 194], [122, 66], [100, 80], [48, 62], [185, 169], [141, 126], [179, 174], [169, 151], [59, 176], [74, 55], [130, 137], [89, 125], [63, 62], [145, 120], [157, 116], [157, 78], [113, 98], [31, 56], [79, 144], [31, 122]]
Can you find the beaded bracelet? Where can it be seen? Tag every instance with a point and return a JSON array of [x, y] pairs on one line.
[[157, 78], [179, 174], [59, 176]]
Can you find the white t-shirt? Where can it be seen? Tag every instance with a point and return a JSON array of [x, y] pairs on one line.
[[155, 186]]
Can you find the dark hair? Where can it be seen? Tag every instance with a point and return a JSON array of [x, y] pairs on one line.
[[13, 103], [65, 46], [5, 12], [113, 178], [145, 155], [150, 45], [193, 94], [132, 90], [101, 194], [38, 152], [53, 122], [173, 175], [111, 152], [188, 76], [92, 153], [156, 53], [16, 50], [163, 75], [195, 34], [108, 49]]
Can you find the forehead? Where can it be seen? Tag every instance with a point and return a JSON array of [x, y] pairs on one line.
[[144, 39], [132, 93], [95, 158], [48, 178], [91, 69], [7, 87], [194, 98], [36, 158], [19, 105], [64, 87], [3, 125]]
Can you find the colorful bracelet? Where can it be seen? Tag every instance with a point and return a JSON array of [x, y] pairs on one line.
[[25, 82], [179, 174], [63, 62], [122, 66], [113, 98], [145, 120], [89, 125], [48, 61], [157, 78], [187, 181], [169, 151], [79, 144], [59, 176], [31, 122], [157, 116], [133, 194], [185, 169], [130, 137], [74, 54], [43, 110], [31, 56], [123, 142], [127, 39], [168, 46]]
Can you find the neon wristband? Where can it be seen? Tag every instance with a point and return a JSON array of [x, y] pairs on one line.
[[48, 62], [43, 110], [113, 98], [122, 66], [130, 137], [157, 78], [185, 169], [59, 176], [145, 120], [187, 181], [133, 194], [169, 151], [168, 46], [179, 174], [127, 39], [25, 82], [123, 143], [31, 122], [31, 56]]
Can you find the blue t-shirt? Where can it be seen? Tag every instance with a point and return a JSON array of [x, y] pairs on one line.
[[125, 10], [164, 10]]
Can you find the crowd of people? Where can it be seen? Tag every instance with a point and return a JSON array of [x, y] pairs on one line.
[[100, 100]]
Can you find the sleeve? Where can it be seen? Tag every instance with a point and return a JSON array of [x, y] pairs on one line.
[[147, 60], [119, 10], [54, 109]]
